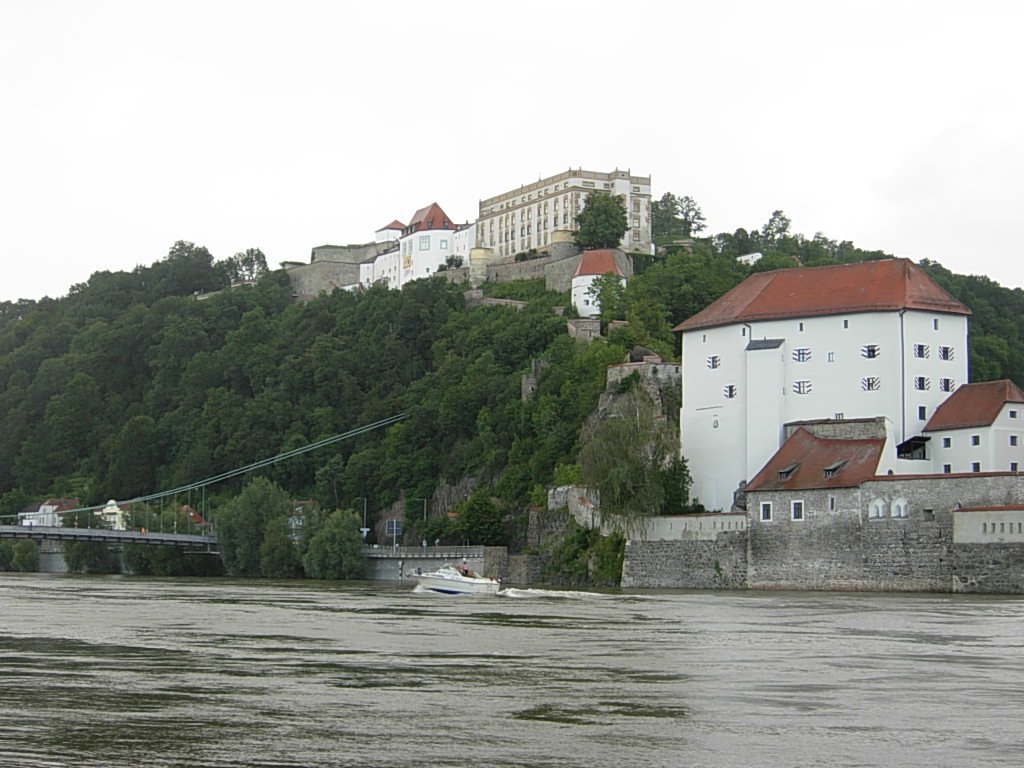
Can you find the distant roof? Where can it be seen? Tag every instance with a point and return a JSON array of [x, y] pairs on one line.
[[974, 405], [802, 461], [430, 217], [870, 286], [396, 224], [756, 344], [598, 262]]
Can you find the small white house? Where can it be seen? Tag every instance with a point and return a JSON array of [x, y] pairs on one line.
[[980, 428], [592, 265]]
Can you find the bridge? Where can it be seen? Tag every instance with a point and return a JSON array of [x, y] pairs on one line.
[[191, 542]]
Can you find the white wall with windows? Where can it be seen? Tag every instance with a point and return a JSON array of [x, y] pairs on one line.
[[737, 395], [998, 447]]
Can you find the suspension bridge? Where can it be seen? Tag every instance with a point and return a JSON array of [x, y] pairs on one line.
[[199, 534]]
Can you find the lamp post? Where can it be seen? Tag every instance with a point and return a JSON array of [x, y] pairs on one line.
[[364, 530]]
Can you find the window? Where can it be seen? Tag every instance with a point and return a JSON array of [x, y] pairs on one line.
[[935, 324], [920, 350], [766, 511], [947, 469], [714, 361], [870, 351], [922, 413], [846, 323], [947, 442], [1013, 414], [871, 384], [1013, 466], [922, 382], [1013, 440], [976, 466], [801, 326], [975, 439], [946, 353], [831, 357], [801, 354], [729, 391], [899, 508], [947, 385], [424, 242], [839, 416], [802, 387], [831, 503], [832, 469], [796, 510], [877, 508]]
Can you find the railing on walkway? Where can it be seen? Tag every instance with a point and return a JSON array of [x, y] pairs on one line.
[[439, 553], [190, 541]]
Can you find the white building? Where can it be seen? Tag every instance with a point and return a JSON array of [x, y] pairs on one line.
[[980, 428], [527, 217], [411, 251], [592, 264], [854, 341]]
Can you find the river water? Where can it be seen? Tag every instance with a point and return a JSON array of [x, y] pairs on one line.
[[114, 671]]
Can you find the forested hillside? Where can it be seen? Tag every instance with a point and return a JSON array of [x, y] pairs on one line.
[[131, 384]]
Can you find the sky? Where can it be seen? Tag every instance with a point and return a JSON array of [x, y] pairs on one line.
[[126, 125]]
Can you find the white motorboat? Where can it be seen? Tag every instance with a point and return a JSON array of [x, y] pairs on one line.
[[455, 581]]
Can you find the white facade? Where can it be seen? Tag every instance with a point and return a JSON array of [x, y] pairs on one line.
[[422, 252], [526, 218], [463, 241], [995, 448], [742, 382]]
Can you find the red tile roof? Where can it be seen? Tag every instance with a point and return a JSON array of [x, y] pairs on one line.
[[807, 456], [396, 224], [598, 262], [974, 405], [430, 217], [871, 286]]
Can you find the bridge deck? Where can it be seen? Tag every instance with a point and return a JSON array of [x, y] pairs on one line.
[[207, 543]]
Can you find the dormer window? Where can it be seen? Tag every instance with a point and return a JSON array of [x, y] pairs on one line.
[[786, 472], [832, 469]]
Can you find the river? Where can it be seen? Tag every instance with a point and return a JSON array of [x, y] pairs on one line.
[[115, 671]]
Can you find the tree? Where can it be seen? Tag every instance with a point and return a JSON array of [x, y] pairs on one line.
[[607, 291], [25, 557], [279, 556], [242, 525], [90, 557], [602, 222], [776, 228], [246, 266], [336, 550], [481, 520], [625, 457], [691, 217]]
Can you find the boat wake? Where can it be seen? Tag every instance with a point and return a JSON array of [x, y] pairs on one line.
[[566, 594]]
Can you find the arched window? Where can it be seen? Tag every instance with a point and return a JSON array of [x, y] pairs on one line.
[[877, 508], [899, 507]]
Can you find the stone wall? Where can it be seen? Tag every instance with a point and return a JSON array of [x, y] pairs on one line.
[[310, 280], [717, 564]]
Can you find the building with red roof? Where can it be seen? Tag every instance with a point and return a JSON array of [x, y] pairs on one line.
[[875, 339], [594, 264], [979, 428]]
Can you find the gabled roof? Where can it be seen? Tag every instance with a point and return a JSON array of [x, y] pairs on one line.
[[974, 405], [870, 286], [598, 262], [396, 224], [430, 217], [802, 461]]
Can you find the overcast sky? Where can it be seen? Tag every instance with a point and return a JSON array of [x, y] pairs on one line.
[[128, 125]]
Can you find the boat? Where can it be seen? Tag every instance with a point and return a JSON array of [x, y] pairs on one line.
[[457, 581]]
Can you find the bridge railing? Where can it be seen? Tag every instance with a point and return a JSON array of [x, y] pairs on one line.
[[453, 553]]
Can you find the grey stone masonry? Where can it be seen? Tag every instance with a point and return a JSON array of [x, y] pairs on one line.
[[716, 564]]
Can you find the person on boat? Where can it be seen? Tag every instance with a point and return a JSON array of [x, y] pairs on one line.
[[464, 569]]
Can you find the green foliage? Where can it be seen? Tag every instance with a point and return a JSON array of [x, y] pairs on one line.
[[674, 217], [566, 474], [6, 554], [90, 557], [602, 222], [625, 456], [25, 556], [279, 553], [585, 558], [336, 550], [246, 265], [481, 519], [608, 291], [242, 526]]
